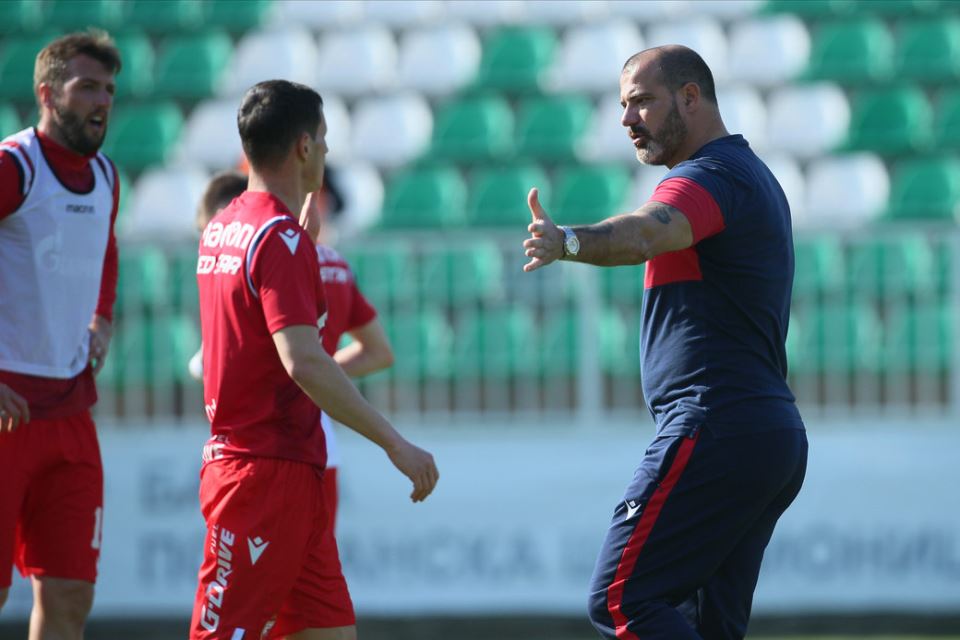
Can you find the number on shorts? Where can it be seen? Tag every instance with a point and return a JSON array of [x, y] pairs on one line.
[[97, 528]]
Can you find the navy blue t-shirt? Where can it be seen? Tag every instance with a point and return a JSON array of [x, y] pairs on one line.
[[715, 315]]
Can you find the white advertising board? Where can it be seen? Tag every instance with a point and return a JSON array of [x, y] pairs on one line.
[[519, 513]]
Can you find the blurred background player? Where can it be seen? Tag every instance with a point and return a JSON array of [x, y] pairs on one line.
[[58, 277], [265, 376], [682, 556], [349, 312]]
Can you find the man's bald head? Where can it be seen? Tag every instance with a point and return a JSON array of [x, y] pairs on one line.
[[676, 66]]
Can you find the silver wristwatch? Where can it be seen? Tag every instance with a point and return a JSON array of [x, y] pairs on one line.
[[571, 244]]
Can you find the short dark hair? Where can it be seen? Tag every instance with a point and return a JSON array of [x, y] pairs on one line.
[[51, 64], [679, 65], [272, 115], [222, 188]]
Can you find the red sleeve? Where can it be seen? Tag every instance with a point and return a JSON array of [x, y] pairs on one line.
[[694, 202], [11, 185], [288, 281], [108, 279], [361, 311]]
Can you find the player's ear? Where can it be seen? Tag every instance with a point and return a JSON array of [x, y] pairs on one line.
[[45, 94], [303, 146], [690, 95]]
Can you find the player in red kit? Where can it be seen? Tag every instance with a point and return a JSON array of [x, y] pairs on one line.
[[58, 277], [266, 375]]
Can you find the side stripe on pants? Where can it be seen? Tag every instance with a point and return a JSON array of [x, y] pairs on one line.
[[639, 536]]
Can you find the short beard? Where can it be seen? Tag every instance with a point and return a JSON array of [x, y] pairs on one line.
[[70, 127], [665, 143]]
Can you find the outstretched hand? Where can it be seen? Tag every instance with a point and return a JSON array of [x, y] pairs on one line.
[[545, 243]]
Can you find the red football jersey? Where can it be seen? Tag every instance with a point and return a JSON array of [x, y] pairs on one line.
[[257, 273], [348, 308]]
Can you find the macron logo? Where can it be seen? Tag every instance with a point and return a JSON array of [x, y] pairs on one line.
[[632, 509], [257, 546], [291, 237]]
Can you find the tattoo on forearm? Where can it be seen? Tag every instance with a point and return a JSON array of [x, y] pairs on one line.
[[661, 213]]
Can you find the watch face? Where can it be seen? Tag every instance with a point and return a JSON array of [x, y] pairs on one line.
[[572, 244]]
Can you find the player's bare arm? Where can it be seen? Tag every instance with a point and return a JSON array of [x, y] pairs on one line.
[[631, 238], [101, 331], [13, 409], [322, 379], [370, 350]]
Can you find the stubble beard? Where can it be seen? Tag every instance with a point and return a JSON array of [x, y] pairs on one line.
[[664, 144], [70, 127]]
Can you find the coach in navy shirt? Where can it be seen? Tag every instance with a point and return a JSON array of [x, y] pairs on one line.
[[683, 552]]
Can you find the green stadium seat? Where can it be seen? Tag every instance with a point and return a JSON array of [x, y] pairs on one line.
[[583, 195], [235, 16], [926, 188], [422, 344], [839, 339], [182, 274], [897, 8], [890, 121], [559, 351], [75, 15], [808, 9], [154, 350], [425, 198], [515, 57], [17, 59], [9, 120], [619, 342], [819, 266], [498, 196], [920, 339], [549, 128], [891, 266], [473, 129], [384, 271], [143, 135], [929, 50], [495, 343], [143, 285], [20, 16], [462, 275], [622, 284], [136, 54], [190, 67], [946, 128], [851, 52], [164, 16]]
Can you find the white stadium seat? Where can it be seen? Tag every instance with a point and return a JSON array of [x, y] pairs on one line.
[[338, 128], [769, 51], [362, 191], [210, 137], [439, 60], [606, 139], [164, 203], [807, 120], [651, 11], [703, 35], [788, 173], [591, 57], [389, 131], [743, 112], [356, 62], [846, 190], [317, 15], [486, 13], [562, 12], [405, 14], [290, 54]]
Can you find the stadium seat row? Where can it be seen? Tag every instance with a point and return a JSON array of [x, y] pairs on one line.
[[439, 60]]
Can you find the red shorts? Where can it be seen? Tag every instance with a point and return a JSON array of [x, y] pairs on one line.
[[51, 503], [270, 562]]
